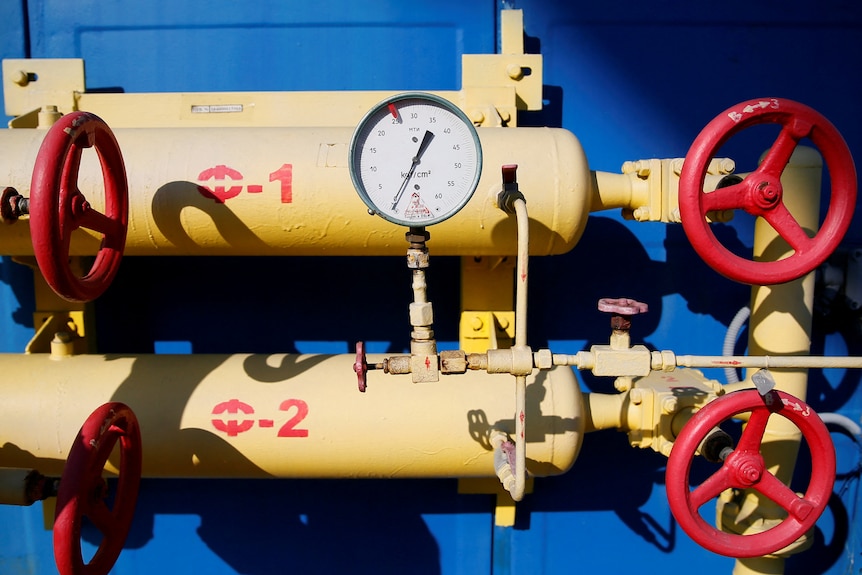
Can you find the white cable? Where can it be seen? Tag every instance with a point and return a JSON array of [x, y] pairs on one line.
[[521, 341], [844, 422], [730, 341]]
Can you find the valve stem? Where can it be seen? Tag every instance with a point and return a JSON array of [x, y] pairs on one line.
[[13, 205]]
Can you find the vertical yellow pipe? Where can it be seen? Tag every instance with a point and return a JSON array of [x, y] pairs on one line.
[[781, 325]]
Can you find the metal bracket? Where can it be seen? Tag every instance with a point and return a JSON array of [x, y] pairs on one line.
[[504, 506], [55, 315], [30, 84], [493, 88]]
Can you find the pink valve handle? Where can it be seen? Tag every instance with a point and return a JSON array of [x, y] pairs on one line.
[[82, 490], [622, 306], [58, 208], [760, 193], [744, 468], [361, 367]]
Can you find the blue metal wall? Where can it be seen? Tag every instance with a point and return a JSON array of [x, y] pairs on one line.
[[632, 80]]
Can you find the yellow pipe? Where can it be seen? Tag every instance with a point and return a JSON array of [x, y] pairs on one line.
[[781, 325], [284, 416], [287, 191]]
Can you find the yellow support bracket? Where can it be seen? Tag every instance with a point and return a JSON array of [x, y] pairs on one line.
[[50, 323], [55, 315], [33, 83], [493, 88], [487, 297], [484, 330], [504, 507]]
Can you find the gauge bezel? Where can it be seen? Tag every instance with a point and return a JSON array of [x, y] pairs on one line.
[[356, 145]]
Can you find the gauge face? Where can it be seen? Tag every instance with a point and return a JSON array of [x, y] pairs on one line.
[[415, 159]]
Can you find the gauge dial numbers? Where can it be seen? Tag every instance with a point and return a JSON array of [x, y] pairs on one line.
[[415, 159]]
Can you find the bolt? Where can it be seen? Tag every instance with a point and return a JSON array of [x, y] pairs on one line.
[[417, 236], [669, 404], [768, 194], [640, 167], [476, 323], [20, 77], [636, 396], [726, 166], [749, 472], [623, 384], [80, 205], [514, 71], [641, 214]]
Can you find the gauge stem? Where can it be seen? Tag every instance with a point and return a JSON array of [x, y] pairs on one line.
[[424, 364]]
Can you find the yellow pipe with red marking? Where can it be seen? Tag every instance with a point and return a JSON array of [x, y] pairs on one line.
[[287, 191], [295, 416]]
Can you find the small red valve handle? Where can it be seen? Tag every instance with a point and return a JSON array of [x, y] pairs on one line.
[[622, 306], [83, 491], [58, 208], [760, 193], [744, 468], [361, 366]]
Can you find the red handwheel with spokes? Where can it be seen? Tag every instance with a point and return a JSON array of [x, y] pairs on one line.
[[84, 493], [760, 193], [58, 208], [744, 468]]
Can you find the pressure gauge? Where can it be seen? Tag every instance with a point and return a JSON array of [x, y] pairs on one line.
[[415, 159]]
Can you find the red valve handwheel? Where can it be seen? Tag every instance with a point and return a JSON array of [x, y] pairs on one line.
[[58, 208], [760, 193], [744, 468], [83, 491]]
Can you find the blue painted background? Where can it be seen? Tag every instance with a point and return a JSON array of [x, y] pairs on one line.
[[632, 80]]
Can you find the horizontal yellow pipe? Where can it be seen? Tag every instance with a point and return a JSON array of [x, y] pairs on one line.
[[287, 191], [284, 416]]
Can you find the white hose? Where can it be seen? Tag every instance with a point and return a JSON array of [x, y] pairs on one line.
[[844, 422], [730, 341], [521, 281], [520, 342], [503, 459]]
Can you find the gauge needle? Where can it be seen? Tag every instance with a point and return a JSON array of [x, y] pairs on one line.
[[426, 139]]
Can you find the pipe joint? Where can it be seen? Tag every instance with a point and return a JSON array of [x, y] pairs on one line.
[[515, 361]]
